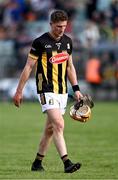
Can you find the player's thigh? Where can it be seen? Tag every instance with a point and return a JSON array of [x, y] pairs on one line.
[[55, 117]]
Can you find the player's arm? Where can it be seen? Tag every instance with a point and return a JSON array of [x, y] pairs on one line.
[[71, 73], [17, 99]]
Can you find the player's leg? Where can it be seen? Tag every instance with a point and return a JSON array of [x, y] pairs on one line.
[[57, 121], [55, 107], [43, 147], [46, 138]]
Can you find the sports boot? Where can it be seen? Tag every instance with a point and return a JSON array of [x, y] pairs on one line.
[[36, 166], [72, 167]]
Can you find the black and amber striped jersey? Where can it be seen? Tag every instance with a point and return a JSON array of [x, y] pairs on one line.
[[52, 60]]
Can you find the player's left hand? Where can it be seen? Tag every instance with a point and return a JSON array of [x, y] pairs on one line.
[[78, 95]]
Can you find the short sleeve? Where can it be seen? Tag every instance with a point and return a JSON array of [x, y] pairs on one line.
[[71, 46], [35, 49]]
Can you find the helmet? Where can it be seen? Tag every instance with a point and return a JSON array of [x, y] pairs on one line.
[[82, 114]]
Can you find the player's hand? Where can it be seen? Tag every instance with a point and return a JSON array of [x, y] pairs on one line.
[[17, 99], [78, 95]]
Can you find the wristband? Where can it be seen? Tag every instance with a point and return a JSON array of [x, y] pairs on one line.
[[75, 88]]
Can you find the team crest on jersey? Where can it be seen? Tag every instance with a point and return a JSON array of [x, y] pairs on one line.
[[59, 58], [68, 46], [51, 101]]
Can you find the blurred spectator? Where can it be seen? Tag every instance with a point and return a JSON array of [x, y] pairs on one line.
[[116, 76], [2, 8], [105, 29], [93, 74], [108, 70], [116, 72], [91, 7], [103, 5], [22, 45], [93, 70], [115, 30], [41, 8], [12, 13], [69, 6], [114, 10], [114, 18], [3, 33], [7, 57], [90, 35], [59, 4]]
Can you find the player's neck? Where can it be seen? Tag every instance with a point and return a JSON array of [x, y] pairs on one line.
[[57, 38]]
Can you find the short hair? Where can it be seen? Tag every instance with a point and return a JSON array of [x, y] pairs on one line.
[[58, 15]]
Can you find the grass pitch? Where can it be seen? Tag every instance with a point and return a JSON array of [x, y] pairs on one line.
[[94, 144]]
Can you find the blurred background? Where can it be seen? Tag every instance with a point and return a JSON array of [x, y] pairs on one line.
[[93, 27]]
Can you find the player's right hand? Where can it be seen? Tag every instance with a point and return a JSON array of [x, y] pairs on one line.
[[17, 99]]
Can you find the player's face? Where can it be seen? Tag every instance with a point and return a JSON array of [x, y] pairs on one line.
[[58, 28]]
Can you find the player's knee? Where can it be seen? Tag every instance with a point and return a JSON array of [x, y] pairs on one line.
[[58, 126]]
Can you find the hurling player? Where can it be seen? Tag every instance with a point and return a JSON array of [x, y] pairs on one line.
[[51, 53]]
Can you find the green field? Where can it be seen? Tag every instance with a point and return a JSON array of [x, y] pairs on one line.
[[94, 144]]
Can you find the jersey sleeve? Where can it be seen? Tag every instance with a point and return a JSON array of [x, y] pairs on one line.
[[71, 47], [35, 49]]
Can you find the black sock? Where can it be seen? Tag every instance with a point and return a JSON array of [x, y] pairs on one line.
[[64, 158], [66, 161], [38, 159], [39, 156]]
